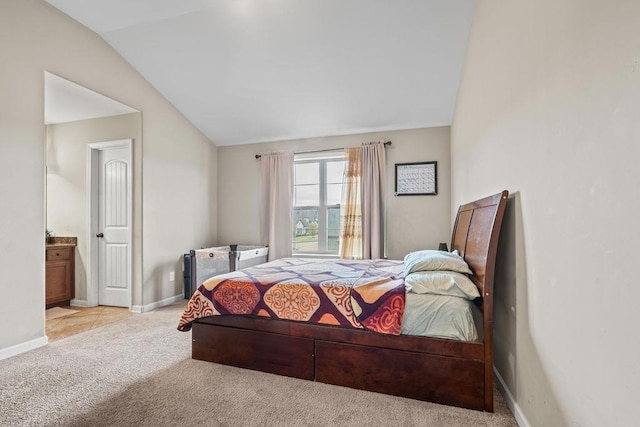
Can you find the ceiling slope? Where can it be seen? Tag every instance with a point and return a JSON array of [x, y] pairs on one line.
[[248, 71]]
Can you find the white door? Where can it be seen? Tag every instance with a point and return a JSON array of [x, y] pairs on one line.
[[114, 227]]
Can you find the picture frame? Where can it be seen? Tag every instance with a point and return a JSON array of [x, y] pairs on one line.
[[417, 179]]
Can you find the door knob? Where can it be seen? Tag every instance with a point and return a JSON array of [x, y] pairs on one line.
[[100, 235]]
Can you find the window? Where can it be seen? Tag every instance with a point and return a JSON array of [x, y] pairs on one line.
[[316, 202]]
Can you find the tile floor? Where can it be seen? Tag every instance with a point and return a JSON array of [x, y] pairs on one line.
[[87, 318]]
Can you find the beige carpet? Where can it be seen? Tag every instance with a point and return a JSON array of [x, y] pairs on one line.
[[138, 372], [56, 312]]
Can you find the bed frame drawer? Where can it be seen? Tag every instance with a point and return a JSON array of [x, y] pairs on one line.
[[262, 351], [400, 373]]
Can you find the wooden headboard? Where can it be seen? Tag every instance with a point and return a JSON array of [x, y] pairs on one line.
[[475, 236]]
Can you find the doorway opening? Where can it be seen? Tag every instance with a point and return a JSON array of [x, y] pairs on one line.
[[80, 126]]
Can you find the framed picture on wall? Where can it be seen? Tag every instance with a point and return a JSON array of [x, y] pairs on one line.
[[417, 179]]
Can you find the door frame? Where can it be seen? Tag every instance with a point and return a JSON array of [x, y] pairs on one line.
[[93, 180]]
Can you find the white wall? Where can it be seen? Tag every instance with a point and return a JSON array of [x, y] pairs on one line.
[[35, 37], [549, 109], [414, 222], [66, 186]]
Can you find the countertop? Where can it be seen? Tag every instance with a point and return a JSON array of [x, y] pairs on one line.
[[59, 245], [62, 242]]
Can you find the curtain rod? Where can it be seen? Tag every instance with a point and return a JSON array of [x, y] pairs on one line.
[[321, 151]]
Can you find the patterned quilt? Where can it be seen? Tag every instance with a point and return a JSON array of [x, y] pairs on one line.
[[367, 294]]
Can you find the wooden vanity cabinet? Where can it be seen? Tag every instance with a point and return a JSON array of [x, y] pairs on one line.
[[60, 272]]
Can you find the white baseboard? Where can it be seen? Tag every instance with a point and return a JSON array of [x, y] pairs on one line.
[[8, 352], [511, 402], [157, 304], [79, 303]]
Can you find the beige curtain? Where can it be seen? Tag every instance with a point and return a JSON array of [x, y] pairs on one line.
[[363, 208], [372, 182], [350, 214], [277, 204]]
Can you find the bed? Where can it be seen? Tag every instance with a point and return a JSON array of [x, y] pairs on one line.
[[360, 346]]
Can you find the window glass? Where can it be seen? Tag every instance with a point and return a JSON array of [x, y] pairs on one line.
[[318, 181], [305, 222], [335, 178], [307, 173], [307, 195], [334, 194], [333, 229], [335, 172]]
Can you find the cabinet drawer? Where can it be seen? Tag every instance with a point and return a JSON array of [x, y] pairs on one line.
[[59, 254]]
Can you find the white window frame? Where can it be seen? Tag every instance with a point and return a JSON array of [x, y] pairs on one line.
[[323, 209]]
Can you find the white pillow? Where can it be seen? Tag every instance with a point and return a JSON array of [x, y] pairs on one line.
[[448, 283], [432, 260]]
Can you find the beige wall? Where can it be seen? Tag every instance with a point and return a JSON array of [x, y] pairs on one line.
[[66, 185], [414, 222], [180, 193], [35, 37], [549, 109]]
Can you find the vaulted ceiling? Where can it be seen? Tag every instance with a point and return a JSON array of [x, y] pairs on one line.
[[247, 71]]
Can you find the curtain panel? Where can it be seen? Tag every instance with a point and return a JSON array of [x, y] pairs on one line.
[[277, 204], [372, 196], [363, 208], [350, 214]]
